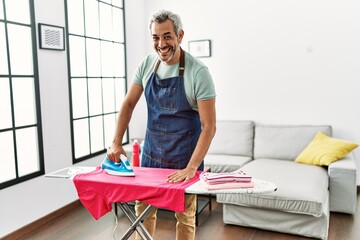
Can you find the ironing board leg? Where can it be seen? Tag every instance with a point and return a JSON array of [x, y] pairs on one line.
[[136, 222], [132, 217]]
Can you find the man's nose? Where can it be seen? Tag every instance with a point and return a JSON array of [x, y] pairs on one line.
[[162, 43]]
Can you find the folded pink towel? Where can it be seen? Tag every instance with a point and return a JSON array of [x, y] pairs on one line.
[[227, 177], [228, 185]]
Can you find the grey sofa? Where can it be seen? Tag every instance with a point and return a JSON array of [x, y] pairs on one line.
[[305, 194]]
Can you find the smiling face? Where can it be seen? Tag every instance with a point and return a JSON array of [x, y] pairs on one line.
[[165, 41]]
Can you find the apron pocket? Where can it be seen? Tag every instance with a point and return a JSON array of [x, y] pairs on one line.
[[171, 150], [166, 94]]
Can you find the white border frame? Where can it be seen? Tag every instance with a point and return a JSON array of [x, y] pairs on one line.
[[200, 48], [56, 30]]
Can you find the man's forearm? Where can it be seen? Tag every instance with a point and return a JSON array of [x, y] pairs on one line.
[[125, 112], [202, 146], [122, 124]]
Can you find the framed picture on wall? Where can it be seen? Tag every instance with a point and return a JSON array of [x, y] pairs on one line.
[[200, 48], [51, 37]]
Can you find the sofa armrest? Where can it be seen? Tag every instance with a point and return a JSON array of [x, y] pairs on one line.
[[342, 176]]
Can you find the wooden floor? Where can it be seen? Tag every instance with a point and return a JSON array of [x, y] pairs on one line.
[[79, 225]]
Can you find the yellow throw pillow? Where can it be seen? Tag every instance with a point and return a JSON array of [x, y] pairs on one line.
[[323, 150]]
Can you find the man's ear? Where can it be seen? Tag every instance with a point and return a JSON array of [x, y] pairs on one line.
[[181, 35]]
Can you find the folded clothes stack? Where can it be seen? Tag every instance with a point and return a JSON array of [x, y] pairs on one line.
[[216, 181]]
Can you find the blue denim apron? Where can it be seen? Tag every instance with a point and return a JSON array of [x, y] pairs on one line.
[[173, 127]]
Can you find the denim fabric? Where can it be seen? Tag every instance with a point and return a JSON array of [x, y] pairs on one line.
[[173, 127]]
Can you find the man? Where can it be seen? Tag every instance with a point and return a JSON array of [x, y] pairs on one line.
[[180, 98]]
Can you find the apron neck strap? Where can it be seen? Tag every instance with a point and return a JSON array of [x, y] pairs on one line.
[[181, 65]]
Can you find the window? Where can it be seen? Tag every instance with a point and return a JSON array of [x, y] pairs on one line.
[[21, 155], [97, 73]]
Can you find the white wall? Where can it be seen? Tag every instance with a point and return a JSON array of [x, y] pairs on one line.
[[272, 61]]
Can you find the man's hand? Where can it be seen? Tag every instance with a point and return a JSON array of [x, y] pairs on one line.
[[114, 152], [181, 175]]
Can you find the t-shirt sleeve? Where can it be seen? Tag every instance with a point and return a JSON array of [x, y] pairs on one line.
[[144, 70], [204, 85], [139, 74]]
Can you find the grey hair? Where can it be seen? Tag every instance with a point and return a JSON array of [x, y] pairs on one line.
[[164, 15]]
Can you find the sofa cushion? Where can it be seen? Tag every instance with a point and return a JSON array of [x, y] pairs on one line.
[[301, 188], [284, 141], [323, 150], [298, 224], [225, 163], [233, 138]]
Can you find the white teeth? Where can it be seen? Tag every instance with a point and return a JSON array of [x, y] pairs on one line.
[[164, 50]]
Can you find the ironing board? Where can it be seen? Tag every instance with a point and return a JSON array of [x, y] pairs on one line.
[[195, 187]]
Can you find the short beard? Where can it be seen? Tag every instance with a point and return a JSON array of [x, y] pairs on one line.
[[172, 53]]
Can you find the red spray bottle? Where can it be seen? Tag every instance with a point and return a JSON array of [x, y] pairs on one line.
[[135, 153]]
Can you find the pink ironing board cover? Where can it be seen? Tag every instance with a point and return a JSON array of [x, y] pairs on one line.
[[97, 190]]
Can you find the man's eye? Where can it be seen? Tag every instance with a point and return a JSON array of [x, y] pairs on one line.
[[155, 39], [167, 37]]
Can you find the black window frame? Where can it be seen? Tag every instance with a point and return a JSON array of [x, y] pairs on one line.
[[19, 179], [72, 119]]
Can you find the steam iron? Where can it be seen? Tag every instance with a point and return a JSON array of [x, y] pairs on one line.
[[123, 168]]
